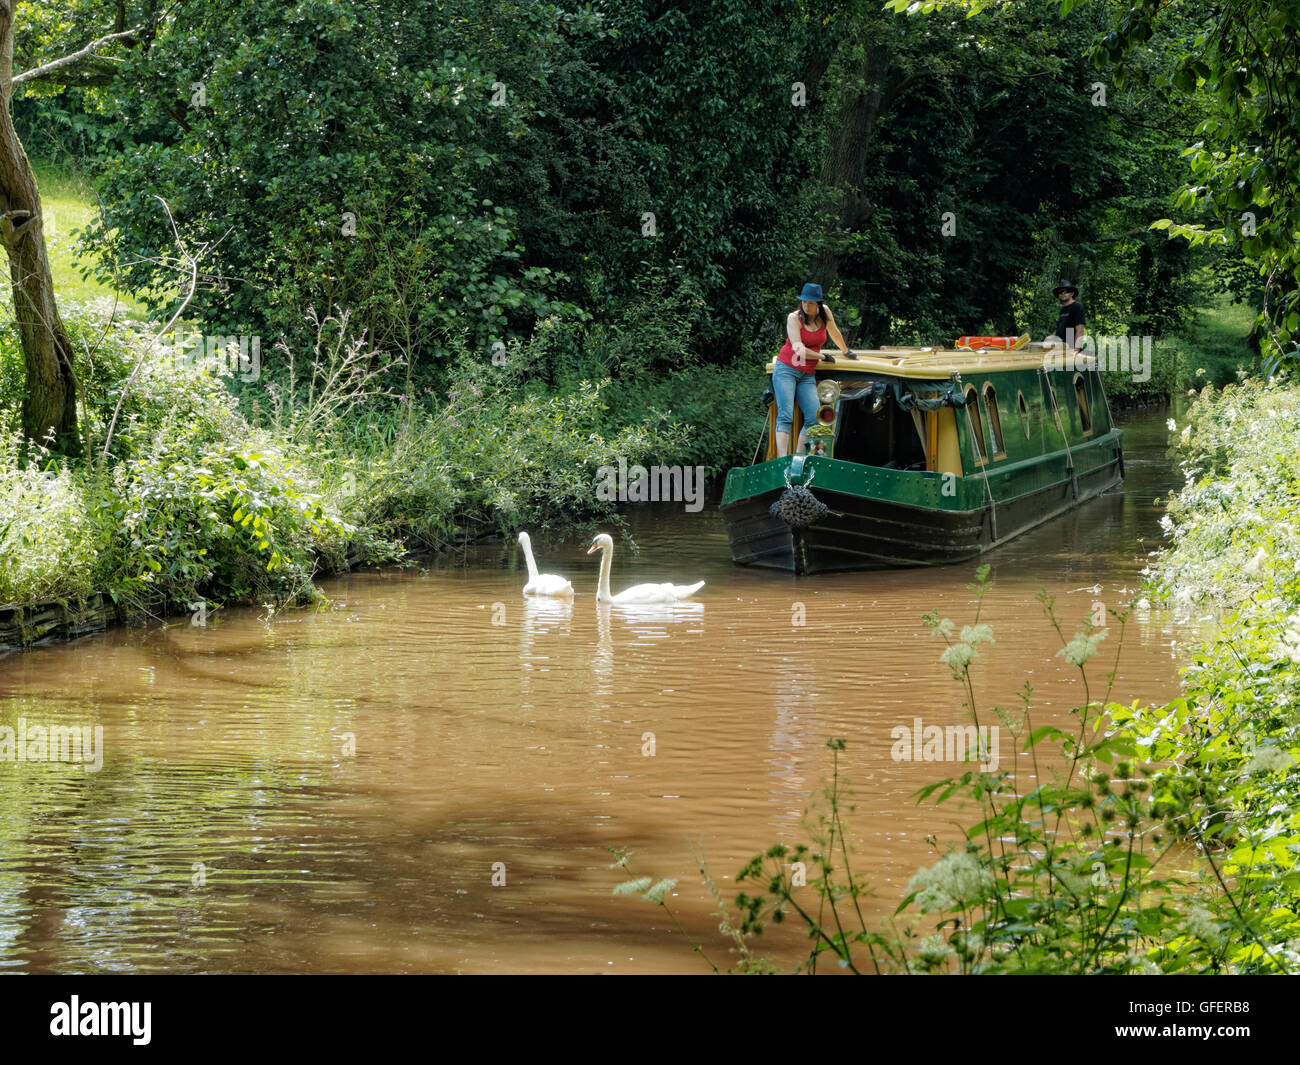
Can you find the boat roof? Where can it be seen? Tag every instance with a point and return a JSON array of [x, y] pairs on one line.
[[938, 363]]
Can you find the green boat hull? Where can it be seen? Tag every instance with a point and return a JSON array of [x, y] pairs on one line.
[[881, 521]]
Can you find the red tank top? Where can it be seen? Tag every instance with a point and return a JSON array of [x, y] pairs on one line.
[[813, 341]]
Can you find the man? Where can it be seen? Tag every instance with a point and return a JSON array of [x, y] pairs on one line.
[[1069, 323]]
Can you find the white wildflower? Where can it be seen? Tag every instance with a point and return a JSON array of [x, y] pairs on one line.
[[955, 881], [1073, 882], [973, 634], [1200, 923], [1082, 647], [1289, 954], [958, 656], [1167, 525], [1289, 645], [1253, 565], [934, 951], [1173, 425], [1267, 759], [1186, 435], [1141, 965], [657, 893]]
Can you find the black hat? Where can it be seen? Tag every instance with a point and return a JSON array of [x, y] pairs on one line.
[[1065, 286]]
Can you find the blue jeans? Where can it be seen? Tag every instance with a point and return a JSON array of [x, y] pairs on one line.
[[790, 384]]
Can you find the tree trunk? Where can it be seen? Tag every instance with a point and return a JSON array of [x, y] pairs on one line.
[[844, 176], [50, 402]]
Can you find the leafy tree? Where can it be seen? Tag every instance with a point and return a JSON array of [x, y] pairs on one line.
[[329, 157], [998, 163], [1246, 158], [1239, 60], [50, 396], [500, 159], [453, 173]]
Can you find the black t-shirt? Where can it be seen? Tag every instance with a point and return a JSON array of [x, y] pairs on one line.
[[1071, 317]]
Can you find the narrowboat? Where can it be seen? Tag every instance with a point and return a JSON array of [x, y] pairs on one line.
[[926, 456]]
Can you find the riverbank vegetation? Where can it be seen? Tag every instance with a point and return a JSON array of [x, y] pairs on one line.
[[189, 495]]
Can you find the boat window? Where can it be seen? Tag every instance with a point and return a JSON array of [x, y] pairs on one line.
[[995, 421], [973, 408], [874, 431], [1081, 394], [1024, 413]]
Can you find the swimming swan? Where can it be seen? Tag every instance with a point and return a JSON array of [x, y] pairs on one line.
[[641, 593], [547, 584]]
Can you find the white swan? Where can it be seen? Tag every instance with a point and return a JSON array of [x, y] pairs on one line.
[[547, 584], [641, 593]]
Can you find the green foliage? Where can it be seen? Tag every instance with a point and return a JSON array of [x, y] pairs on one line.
[[68, 204], [496, 457], [328, 466], [1245, 158], [720, 406], [1236, 736], [1166, 370], [214, 521], [191, 503], [702, 94], [47, 539], [1232, 531], [499, 160], [1218, 346], [1046, 173], [1214, 347], [335, 161]]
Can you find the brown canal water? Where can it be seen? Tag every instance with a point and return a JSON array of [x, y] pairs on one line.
[[232, 828]]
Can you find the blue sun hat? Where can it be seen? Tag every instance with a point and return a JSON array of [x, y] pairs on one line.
[[811, 292]]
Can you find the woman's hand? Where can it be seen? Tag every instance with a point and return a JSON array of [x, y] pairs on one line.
[[833, 331]]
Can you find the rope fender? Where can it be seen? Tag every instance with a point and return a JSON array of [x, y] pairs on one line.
[[798, 507]]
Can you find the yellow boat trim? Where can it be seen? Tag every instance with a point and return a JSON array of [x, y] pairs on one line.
[[936, 364]]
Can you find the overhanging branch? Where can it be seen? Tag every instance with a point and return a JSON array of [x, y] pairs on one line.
[[46, 69]]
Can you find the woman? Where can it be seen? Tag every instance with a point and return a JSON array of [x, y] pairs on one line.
[[794, 375]]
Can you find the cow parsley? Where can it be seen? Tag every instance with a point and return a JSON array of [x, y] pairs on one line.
[[1082, 647]]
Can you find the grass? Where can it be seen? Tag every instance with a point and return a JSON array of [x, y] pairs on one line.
[[1216, 345], [1210, 350], [68, 204]]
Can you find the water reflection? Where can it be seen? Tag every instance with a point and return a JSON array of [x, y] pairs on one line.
[[545, 621], [792, 709]]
